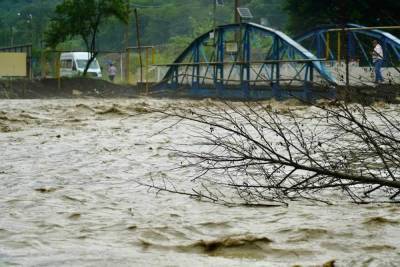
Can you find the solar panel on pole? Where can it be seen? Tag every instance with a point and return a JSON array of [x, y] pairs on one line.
[[244, 13]]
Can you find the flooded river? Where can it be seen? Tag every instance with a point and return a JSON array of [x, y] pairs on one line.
[[69, 197]]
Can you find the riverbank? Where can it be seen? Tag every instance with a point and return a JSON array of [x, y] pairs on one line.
[[65, 88], [97, 88]]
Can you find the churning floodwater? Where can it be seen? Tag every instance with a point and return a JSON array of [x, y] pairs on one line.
[[69, 197]]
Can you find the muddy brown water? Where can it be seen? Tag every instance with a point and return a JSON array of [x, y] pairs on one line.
[[69, 198]]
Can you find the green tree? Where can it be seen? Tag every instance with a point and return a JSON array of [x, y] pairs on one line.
[[307, 14], [83, 18]]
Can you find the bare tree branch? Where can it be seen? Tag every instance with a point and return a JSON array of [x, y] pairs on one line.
[[250, 152]]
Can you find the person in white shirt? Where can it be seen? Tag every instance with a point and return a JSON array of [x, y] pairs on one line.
[[112, 71], [377, 59]]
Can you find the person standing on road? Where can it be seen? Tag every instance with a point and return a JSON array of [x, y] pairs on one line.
[[112, 71], [377, 59]]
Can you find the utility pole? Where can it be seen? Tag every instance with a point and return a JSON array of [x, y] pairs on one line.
[[214, 14], [237, 17], [214, 20], [127, 55], [139, 45]]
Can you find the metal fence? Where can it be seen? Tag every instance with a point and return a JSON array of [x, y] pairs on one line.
[[133, 65]]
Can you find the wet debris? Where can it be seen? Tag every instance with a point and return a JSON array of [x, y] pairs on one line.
[[45, 190], [5, 128], [114, 109], [74, 216], [229, 242], [141, 110], [378, 248], [111, 149], [132, 227], [238, 246], [379, 221], [330, 263], [131, 212], [27, 116], [83, 106]]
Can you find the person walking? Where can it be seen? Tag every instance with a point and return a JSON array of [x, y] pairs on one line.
[[112, 71], [377, 59]]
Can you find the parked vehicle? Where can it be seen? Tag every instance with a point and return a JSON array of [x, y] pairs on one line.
[[74, 63]]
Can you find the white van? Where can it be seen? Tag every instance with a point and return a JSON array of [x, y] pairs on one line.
[[74, 63]]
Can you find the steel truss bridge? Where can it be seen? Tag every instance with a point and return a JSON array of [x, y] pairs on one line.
[[248, 60]]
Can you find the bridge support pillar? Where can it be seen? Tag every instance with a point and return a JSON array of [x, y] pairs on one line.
[[245, 65]]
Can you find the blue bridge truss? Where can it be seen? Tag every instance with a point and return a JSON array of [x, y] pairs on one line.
[[348, 48], [250, 61], [334, 41]]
